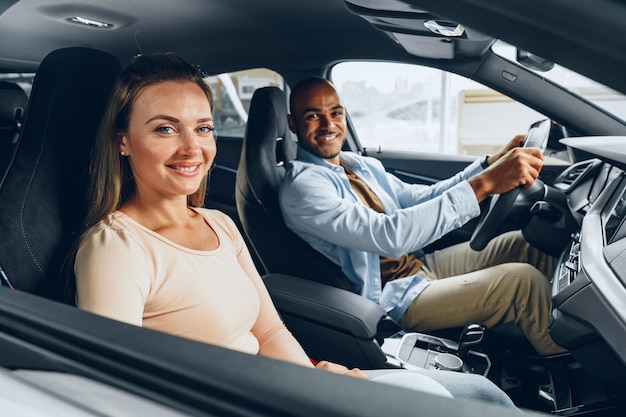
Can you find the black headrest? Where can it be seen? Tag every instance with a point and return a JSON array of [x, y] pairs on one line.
[[13, 101], [268, 144], [42, 200]]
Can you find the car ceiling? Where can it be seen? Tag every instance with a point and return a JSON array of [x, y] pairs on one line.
[[216, 33], [226, 35]]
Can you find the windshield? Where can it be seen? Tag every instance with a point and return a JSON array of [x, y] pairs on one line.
[[602, 96], [412, 108]]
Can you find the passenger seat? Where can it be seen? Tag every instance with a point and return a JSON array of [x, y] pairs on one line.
[[43, 195]]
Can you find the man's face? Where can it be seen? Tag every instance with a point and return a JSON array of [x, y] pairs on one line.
[[318, 119]]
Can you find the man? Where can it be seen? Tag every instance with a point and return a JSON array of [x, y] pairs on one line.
[[371, 224]]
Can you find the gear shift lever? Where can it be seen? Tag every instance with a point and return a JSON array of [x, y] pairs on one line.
[[472, 335]]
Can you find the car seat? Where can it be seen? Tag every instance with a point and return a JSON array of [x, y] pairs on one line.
[[42, 198], [268, 145], [346, 335]]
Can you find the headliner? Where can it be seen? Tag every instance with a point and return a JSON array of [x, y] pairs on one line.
[[292, 35], [214, 33]]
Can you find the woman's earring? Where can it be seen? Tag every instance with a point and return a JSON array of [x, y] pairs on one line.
[[122, 153]]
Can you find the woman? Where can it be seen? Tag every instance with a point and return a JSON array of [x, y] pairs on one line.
[[152, 257]]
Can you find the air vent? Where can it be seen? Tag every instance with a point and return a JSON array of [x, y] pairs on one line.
[[569, 177], [572, 176]]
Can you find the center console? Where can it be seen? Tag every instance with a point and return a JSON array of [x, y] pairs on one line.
[[423, 351]]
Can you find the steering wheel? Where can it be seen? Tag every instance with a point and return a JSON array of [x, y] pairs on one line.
[[501, 204]]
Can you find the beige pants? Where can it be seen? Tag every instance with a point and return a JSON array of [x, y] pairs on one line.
[[497, 285]]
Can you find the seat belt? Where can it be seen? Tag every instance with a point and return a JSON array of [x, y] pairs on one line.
[[5, 279]]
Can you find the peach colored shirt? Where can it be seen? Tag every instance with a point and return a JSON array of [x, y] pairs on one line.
[[127, 272]]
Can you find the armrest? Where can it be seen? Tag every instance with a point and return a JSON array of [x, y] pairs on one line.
[[329, 306]]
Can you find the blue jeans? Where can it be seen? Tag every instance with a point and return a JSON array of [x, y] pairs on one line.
[[445, 383]]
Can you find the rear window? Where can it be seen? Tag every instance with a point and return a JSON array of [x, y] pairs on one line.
[[232, 94]]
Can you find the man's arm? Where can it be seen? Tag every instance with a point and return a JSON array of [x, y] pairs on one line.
[[313, 206], [412, 194], [517, 167]]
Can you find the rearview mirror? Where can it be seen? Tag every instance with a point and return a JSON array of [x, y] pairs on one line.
[[533, 61]]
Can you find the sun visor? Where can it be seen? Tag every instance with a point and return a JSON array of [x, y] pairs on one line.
[[419, 32]]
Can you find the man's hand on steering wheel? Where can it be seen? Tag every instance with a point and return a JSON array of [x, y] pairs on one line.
[[511, 170], [517, 167], [516, 142]]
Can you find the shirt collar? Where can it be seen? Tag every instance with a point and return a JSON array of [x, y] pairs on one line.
[[346, 158]]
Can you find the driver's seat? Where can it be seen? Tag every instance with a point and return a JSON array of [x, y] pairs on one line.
[[267, 145]]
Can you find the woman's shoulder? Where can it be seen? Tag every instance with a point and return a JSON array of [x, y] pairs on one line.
[[214, 214], [113, 222], [113, 229], [219, 219]]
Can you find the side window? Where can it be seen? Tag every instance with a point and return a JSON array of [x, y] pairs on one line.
[[232, 94], [411, 108]]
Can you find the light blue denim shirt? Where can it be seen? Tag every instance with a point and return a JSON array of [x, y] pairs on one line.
[[318, 204]]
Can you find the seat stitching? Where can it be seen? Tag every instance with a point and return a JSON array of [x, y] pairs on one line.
[[30, 182]]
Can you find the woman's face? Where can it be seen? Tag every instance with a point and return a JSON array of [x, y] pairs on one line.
[[169, 141]]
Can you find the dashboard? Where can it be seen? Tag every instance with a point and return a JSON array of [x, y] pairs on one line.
[[589, 287]]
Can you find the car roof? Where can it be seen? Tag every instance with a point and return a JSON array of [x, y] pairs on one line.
[[222, 35], [288, 35]]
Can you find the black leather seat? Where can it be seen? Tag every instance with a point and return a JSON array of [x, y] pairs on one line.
[[267, 145], [42, 199]]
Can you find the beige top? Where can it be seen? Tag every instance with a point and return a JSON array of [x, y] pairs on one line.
[[127, 272]]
